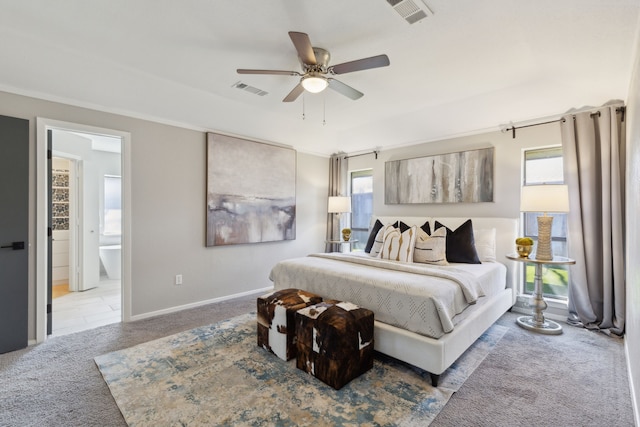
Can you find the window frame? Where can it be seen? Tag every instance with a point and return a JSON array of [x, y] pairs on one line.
[[357, 233], [529, 229]]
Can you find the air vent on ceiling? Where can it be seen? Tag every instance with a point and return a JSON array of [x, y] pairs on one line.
[[251, 89], [410, 10]]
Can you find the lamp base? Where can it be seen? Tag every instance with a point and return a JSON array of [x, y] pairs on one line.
[[543, 252]]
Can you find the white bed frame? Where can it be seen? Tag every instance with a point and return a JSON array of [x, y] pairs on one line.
[[436, 355]]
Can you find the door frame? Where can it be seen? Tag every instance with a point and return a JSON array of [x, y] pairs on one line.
[[42, 125]]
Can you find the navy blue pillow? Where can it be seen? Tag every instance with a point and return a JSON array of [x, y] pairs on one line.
[[402, 226], [461, 245], [372, 236], [426, 228]]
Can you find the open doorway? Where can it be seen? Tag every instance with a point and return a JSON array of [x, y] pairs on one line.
[[82, 212], [86, 230]]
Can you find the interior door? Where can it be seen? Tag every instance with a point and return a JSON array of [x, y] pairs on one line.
[[14, 233], [49, 232]]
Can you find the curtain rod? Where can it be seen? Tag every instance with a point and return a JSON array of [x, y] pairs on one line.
[[513, 128], [620, 110], [364, 154]]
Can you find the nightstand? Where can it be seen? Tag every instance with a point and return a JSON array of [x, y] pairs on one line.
[[536, 322], [343, 243]]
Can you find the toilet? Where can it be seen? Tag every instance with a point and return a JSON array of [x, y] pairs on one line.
[[111, 259]]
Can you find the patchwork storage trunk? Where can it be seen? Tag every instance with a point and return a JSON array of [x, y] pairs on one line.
[[335, 341], [276, 320]]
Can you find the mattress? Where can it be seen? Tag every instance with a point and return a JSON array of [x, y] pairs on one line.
[[425, 299]]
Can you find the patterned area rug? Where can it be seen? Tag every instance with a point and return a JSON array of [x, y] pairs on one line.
[[217, 375]]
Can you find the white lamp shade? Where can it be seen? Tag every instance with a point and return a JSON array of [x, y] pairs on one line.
[[544, 198], [339, 204]]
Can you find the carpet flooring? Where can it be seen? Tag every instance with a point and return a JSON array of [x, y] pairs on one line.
[[217, 375], [578, 378]]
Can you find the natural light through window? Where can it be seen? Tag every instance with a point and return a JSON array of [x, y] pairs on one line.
[[112, 205], [361, 206], [544, 166]]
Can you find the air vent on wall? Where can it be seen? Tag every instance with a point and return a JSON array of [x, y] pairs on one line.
[[251, 89], [410, 10]]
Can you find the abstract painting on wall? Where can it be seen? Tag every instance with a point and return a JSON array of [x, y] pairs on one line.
[[464, 177], [251, 191]]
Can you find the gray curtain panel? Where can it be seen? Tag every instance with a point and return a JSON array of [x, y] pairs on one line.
[[594, 161], [337, 187]]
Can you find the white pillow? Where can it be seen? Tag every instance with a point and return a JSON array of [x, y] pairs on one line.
[[431, 249], [485, 244], [399, 246], [379, 240]]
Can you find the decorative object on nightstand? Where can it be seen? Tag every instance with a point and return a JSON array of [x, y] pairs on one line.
[[536, 322], [524, 245], [346, 234], [544, 198]]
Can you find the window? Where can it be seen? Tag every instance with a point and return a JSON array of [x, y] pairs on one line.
[[544, 166], [361, 206], [112, 205]]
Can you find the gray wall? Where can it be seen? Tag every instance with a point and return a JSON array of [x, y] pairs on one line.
[[168, 213], [632, 336], [507, 167]]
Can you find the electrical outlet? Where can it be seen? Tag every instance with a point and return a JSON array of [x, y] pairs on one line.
[[178, 279]]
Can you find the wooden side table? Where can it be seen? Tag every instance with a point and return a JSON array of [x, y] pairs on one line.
[[536, 322]]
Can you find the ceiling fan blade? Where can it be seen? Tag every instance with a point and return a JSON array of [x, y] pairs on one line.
[[361, 64], [277, 72], [344, 89], [303, 46], [294, 94]]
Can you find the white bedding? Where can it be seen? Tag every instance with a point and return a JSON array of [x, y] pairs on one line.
[[420, 298]]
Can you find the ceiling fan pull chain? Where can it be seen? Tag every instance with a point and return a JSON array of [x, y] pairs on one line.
[[303, 98], [324, 109]]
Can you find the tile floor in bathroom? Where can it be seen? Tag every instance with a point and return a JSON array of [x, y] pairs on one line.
[[79, 311]]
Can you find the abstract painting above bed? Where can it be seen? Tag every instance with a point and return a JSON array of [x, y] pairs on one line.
[[463, 177]]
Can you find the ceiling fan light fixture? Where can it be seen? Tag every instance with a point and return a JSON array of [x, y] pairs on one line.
[[314, 83]]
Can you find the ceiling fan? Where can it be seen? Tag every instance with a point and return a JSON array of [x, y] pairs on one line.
[[316, 69]]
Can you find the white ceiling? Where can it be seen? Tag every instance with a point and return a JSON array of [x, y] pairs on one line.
[[471, 67]]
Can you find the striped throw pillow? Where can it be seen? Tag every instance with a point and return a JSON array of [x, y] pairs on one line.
[[379, 240], [431, 249], [399, 246]]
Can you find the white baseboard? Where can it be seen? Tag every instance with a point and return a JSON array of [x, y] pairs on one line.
[[196, 304]]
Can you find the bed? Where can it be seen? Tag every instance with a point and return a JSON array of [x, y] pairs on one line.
[[412, 324]]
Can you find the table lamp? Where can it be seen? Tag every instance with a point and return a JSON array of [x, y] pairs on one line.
[[339, 205], [544, 198]]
